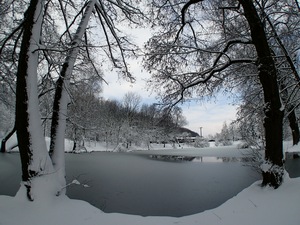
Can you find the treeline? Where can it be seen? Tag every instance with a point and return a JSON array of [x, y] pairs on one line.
[[120, 124]]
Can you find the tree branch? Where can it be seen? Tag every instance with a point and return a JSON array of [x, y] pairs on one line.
[[91, 61], [5, 40], [103, 14], [185, 8]]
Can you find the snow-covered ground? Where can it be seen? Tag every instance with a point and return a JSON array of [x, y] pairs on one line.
[[177, 149], [254, 205]]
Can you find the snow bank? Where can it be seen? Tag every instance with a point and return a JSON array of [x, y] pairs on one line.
[[254, 205], [93, 146]]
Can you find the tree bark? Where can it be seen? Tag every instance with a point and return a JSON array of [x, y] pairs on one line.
[[61, 98], [32, 146], [294, 125], [273, 109], [5, 139]]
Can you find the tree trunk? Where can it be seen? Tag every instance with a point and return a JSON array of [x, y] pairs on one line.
[[32, 146], [61, 98], [5, 139], [273, 173], [74, 145], [294, 125]]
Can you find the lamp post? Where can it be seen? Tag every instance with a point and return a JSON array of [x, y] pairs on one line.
[[201, 132]]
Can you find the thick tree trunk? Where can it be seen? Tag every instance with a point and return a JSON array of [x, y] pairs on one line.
[[34, 156], [6, 138], [273, 172]]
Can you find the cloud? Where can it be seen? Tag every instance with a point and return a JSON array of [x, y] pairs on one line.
[[118, 87], [210, 116]]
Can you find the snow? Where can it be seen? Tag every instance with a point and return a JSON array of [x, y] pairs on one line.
[[40, 161], [289, 147], [170, 149], [58, 148], [266, 166], [254, 205]]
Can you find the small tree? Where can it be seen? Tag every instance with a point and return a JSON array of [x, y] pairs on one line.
[[201, 142], [224, 138]]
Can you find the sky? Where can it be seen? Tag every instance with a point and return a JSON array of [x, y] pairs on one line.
[[208, 115]]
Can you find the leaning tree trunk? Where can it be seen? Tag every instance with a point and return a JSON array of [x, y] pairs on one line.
[[61, 98], [32, 146], [273, 168], [5, 139]]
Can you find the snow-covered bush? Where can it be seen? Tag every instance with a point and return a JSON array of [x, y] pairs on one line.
[[254, 158], [242, 145], [201, 142], [223, 142], [276, 173]]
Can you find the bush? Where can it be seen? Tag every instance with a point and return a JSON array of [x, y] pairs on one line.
[[201, 142]]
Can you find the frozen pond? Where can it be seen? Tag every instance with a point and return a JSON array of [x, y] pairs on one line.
[[138, 183]]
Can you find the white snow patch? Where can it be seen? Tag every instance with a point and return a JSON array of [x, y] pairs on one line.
[[254, 205], [266, 166]]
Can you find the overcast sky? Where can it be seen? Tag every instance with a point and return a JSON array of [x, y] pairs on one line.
[[209, 115]]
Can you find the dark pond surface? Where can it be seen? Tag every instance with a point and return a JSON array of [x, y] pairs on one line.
[[147, 185]]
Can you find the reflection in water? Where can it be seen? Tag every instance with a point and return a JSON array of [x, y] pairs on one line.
[[205, 159], [172, 157]]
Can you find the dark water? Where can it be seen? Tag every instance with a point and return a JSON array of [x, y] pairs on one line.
[[138, 184]]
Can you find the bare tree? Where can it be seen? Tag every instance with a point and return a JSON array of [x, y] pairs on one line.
[[35, 52], [84, 111], [186, 63], [224, 138], [281, 31], [33, 151]]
